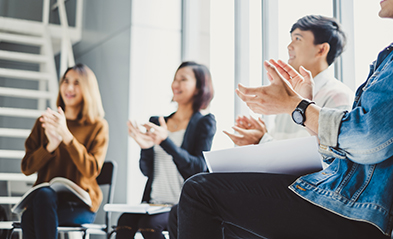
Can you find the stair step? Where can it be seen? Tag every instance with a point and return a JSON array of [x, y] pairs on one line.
[[25, 75], [23, 57], [15, 112], [14, 154], [22, 93], [14, 133], [9, 200], [21, 39]]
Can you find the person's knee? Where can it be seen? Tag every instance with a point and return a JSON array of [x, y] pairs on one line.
[[27, 217], [172, 222], [46, 196], [145, 223], [44, 193], [124, 219], [192, 183], [173, 214], [158, 222]]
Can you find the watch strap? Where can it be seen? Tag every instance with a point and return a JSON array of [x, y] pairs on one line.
[[301, 108]]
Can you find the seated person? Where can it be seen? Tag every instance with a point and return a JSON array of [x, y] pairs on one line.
[[352, 198], [171, 149], [316, 42], [69, 142]]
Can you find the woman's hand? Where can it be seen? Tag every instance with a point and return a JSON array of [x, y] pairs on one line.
[[142, 139], [157, 133], [56, 129]]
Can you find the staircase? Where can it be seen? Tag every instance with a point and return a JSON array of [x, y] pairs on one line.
[[15, 72], [28, 75]]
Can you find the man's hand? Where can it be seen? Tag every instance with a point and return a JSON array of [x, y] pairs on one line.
[[250, 131], [278, 97], [302, 83]]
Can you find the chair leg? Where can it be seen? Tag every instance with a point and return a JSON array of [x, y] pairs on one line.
[[9, 233], [110, 234], [75, 235]]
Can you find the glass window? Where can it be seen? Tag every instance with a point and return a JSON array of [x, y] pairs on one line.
[[287, 17], [222, 68], [372, 34]]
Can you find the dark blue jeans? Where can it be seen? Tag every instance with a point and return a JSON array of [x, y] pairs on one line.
[[151, 226], [257, 205], [46, 211]]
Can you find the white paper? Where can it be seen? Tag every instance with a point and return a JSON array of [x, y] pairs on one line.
[[142, 208], [292, 156]]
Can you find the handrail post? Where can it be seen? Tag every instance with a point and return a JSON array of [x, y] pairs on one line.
[[67, 56], [45, 12], [78, 15]]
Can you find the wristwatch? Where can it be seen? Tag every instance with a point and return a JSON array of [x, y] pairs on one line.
[[299, 114]]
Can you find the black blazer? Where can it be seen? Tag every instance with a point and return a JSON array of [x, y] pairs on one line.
[[188, 158]]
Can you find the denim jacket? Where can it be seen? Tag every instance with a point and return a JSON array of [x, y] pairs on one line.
[[358, 145]]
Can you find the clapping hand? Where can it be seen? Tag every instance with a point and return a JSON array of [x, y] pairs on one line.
[[250, 131], [154, 134], [157, 133], [285, 92], [302, 83], [56, 129]]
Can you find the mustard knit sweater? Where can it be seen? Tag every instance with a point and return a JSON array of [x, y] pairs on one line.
[[80, 161]]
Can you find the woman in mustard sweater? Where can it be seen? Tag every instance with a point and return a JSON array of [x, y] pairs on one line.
[[69, 142]]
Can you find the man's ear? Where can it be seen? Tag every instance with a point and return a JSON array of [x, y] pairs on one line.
[[324, 49]]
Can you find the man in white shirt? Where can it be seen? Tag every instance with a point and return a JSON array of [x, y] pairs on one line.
[[316, 42]]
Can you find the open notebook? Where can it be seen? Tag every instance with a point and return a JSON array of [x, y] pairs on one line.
[[58, 184]]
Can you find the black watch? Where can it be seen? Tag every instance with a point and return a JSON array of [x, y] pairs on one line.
[[299, 114]]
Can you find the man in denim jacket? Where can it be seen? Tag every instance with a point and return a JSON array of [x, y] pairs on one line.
[[352, 198]]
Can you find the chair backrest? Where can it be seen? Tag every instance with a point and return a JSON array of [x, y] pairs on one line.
[[108, 177]]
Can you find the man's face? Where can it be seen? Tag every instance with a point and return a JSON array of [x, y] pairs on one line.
[[301, 50], [386, 9]]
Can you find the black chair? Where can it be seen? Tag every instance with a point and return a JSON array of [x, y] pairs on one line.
[[106, 178]]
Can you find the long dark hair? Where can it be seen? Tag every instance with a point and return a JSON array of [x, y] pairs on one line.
[[203, 83]]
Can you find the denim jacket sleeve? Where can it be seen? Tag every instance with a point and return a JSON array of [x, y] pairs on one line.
[[328, 130], [365, 134]]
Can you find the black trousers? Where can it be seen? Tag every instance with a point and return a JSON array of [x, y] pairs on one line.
[[151, 226], [258, 205]]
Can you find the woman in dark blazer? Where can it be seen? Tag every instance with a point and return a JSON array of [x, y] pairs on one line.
[[171, 149]]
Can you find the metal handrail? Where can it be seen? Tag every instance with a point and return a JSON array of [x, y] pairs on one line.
[[66, 53]]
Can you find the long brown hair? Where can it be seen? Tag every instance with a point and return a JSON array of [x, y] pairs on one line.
[[92, 108]]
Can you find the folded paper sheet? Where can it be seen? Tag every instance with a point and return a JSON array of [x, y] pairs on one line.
[[293, 156]]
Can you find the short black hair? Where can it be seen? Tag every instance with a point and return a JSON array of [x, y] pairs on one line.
[[325, 29], [203, 83]]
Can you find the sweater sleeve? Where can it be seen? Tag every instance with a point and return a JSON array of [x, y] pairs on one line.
[[90, 158], [36, 155], [192, 161]]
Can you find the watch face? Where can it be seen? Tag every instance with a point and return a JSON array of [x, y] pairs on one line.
[[297, 117]]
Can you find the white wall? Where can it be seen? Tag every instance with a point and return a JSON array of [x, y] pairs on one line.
[[155, 55]]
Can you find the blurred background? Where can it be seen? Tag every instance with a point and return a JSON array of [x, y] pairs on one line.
[[134, 48]]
